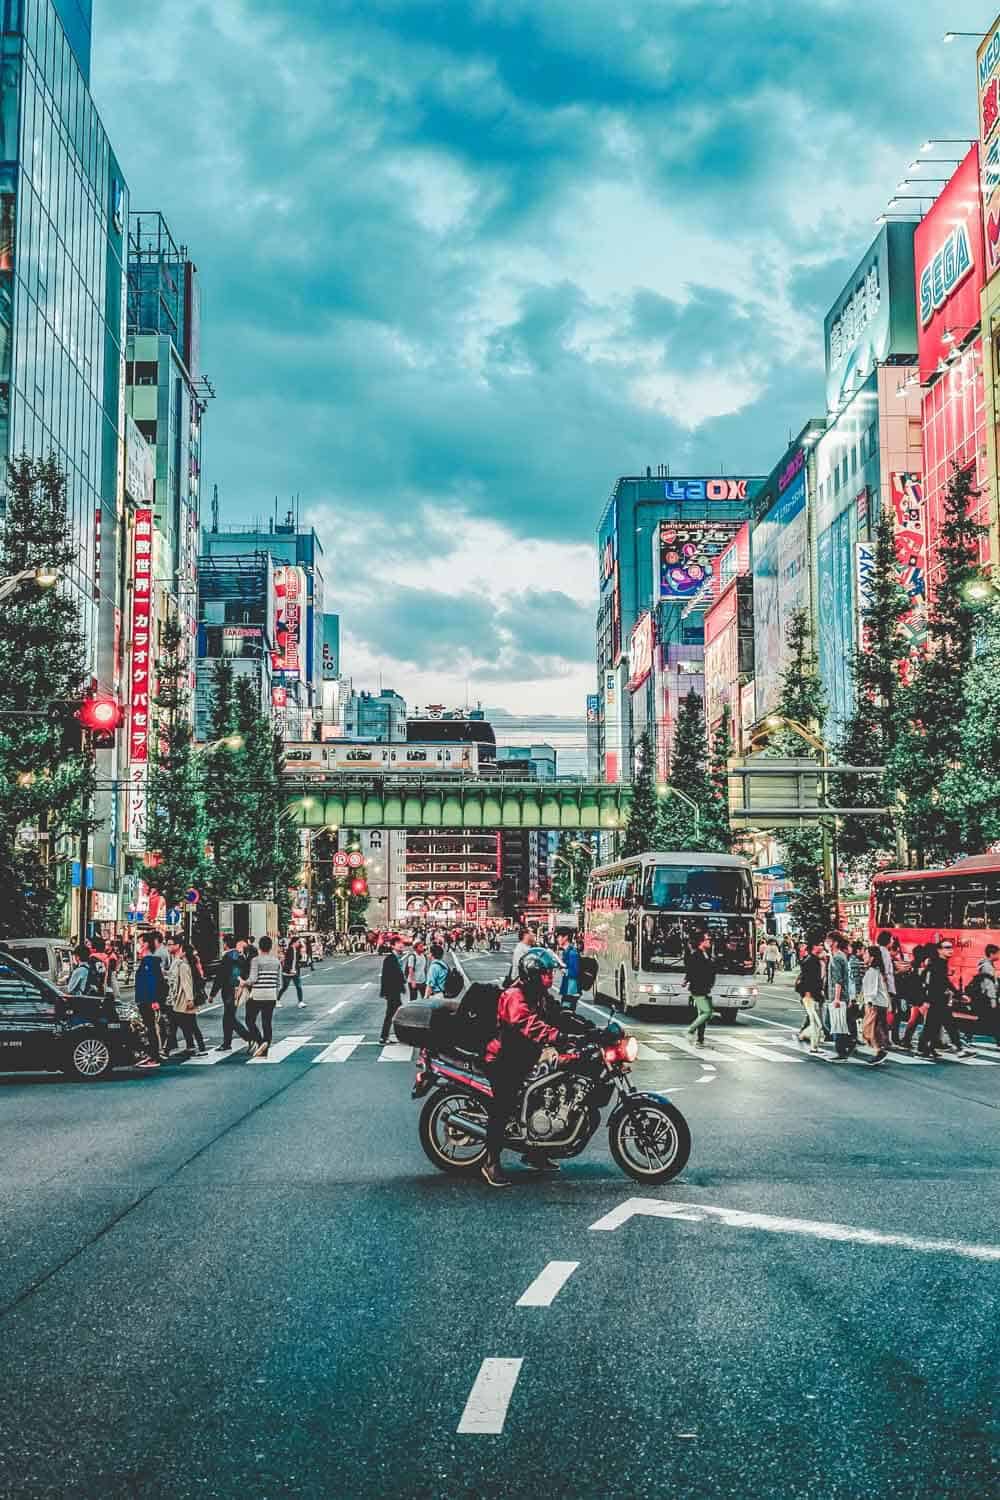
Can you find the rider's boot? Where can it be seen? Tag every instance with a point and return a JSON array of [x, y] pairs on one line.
[[539, 1162], [494, 1174]]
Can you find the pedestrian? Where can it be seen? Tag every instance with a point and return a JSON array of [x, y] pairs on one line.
[[787, 953], [856, 964], [416, 971], [291, 970], [699, 974], [910, 1001], [309, 955], [809, 987], [150, 995], [181, 987], [772, 958], [527, 937], [393, 984], [79, 977], [569, 953], [985, 993], [875, 993], [228, 980], [437, 973], [262, 995], [839, 1009], [940, 992], [249, 952]]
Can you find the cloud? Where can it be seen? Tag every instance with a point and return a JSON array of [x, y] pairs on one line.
[[466, 261]]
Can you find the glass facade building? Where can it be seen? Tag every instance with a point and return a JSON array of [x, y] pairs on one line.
[[63, 219]]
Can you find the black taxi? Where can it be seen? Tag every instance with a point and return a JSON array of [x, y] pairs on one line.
[[44, 1031]]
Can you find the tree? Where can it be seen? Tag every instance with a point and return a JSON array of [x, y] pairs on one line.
[[869, 737], [689, 773], [972, 787], [802, 700], [929, 740], [46, 782], [285, 855], [641, 829], [176, 830], [716, 830], [230, 804], [572, 866]]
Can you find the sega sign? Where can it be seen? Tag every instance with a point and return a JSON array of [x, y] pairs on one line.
[[706, 489], [950, 265], [948, 269]]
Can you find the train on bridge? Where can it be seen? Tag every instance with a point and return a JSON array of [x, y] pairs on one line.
[[347, 758]]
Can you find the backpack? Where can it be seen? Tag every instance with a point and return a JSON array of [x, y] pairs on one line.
[[587, 972], [454, 984], [96, 976]]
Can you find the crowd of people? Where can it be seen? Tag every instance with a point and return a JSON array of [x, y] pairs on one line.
[[854, 992]]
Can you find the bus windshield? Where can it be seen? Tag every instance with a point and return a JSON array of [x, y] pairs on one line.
[[697, 888]]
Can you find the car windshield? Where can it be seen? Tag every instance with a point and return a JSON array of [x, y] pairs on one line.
[[697, 888]]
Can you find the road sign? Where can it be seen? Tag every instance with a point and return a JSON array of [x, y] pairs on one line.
[[193, 897], [340, 860], [173, 916], [355, 860]]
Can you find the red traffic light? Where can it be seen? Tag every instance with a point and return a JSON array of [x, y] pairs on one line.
[[359, 888], [101, 714]]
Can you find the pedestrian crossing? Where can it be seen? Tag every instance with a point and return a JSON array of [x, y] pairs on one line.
[[655, 1047]]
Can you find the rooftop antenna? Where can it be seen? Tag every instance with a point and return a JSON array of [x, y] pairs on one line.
[[215, 507]]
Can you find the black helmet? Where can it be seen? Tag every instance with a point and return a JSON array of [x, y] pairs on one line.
[[532, 965]]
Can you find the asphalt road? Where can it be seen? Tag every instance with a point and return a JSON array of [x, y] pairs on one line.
[[246, 1280]]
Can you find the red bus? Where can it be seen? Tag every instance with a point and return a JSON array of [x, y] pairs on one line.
[[961, 904]]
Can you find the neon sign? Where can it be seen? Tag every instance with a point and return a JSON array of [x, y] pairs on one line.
[[944, 272], [705, 489]]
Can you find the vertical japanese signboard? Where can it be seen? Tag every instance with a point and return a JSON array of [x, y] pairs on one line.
[[909, 509], [289, 614], [140, 684], [988, 77]]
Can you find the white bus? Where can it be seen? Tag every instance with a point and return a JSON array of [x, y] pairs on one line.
[[642, 913]]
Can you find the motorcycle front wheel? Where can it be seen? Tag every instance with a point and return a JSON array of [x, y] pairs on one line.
[[653, 1143], [445, 1143]]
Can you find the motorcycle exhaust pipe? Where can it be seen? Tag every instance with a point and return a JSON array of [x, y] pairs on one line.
[[475, 1128]]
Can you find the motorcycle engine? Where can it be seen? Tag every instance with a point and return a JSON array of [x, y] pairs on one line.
[[556, 1108]]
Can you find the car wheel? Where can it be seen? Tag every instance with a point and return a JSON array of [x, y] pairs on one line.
[[89, 1058], [728, 1017]]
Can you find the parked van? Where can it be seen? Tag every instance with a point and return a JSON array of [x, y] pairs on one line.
[[50, 957]]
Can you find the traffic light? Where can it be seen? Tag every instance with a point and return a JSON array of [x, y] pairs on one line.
[[101, 716]]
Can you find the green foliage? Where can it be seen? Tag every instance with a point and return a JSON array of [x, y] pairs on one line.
[[283, 836], [641, 831], [716, 830], [802, 698], [928, 743], [230, 802], [803, 860], [869, 737], [43, 661], [572, 866], [176, 826], [972, 786]]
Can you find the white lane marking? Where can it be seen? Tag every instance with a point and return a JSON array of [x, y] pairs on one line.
[[339, 1050], [753, 1049], [486, 1408], [339, 1006], [683, 1045], [548, 1284], [278, 1051], [211, 1058], [396, 1052], [819, 1229], [349, 984], [967, 1062], [859, 1057], [763, 1021]]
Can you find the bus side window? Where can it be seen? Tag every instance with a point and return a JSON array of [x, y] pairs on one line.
[[993, 903], [970, 907], [884, 906], [939, 906]]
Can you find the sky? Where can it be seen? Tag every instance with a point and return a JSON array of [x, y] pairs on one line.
[[464, 262]]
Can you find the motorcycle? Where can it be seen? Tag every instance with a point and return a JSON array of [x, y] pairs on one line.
[[559, 1111]]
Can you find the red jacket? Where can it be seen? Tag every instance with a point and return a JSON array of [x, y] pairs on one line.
[[515, 1015]]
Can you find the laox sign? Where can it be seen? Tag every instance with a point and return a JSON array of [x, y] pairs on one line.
[[705, 489]]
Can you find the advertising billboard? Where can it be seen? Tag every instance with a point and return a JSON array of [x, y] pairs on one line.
[[736, 558], [331, 648], [141, 669], [289, 621], [140, 466], [874, 316], [689, 556], [780, 547], [640, 651], [950, 266], [607, 568], [835, 610], [910, 515], [722, 670], [988, 74]]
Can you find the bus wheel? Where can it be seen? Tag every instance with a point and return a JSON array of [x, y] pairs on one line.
[[622, 992]]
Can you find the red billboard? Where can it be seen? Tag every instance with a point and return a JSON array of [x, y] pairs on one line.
[[950, 267], [141, 675], [640, 651]]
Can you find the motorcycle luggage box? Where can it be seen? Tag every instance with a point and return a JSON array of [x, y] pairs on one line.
[[423, 1025]]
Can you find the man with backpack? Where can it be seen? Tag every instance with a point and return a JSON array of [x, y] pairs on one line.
[[228, 978], [150, 997]]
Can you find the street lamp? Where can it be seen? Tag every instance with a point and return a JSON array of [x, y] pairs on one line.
[[951, 36], [664, 789], [978, 591], [42, 576], [230, 741]]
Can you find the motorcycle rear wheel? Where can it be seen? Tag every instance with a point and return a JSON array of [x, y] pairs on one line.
[[445, 1145], [658, 1150]]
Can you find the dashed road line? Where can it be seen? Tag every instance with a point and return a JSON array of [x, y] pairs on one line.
[[548, 1284], [486, 1408], [278, 1051], [340, 1050]]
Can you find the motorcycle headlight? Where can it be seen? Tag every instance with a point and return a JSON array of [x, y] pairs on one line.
[[630, 1049]]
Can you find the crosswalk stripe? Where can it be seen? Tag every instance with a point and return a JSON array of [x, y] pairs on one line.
[[754, 1049], [209, 1059], [339, 1050], [396, 1052], [683, 1045], [278, 1051], [967, 1062]]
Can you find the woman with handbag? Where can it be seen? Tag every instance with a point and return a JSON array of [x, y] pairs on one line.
[[875, 992], [180, 984]]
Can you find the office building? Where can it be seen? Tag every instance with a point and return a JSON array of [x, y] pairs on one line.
[[538, 762], [235, 624], [380, 717]]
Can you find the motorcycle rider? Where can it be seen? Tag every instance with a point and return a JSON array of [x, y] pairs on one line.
[[523, 1035]]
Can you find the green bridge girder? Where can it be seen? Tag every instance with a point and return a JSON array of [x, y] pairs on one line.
[[362, 802]]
